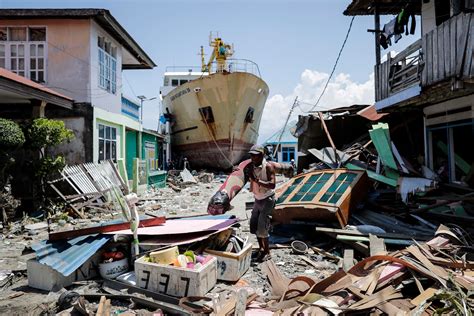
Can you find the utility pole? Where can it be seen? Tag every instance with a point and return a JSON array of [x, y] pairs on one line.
[[275, 151]]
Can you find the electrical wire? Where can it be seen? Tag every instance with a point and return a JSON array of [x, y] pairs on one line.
[[335, 65]]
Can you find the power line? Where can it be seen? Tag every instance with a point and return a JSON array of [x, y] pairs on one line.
[[335, 65]]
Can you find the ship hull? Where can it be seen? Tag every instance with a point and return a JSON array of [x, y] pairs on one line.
[[216, 118]]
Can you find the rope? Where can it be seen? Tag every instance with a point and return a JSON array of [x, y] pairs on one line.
[[217, 145]]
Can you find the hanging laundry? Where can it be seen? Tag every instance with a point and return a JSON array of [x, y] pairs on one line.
[[396, 27], [387, 33]]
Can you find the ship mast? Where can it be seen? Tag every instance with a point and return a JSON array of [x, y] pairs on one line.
[[220, 52]]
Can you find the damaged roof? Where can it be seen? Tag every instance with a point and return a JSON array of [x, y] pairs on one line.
[[103, 17], [384, 7], [15, 85]]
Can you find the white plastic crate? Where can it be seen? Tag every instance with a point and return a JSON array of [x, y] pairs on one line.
[[176, 281], [232, 266]]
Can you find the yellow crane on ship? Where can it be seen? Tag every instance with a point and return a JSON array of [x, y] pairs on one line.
[[220, 52]]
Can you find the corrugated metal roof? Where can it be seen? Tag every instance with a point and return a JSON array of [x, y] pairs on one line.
[[66, 256]]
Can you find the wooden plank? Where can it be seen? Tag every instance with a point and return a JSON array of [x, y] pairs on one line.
[[278, 281], [429, 58], [440, 50], [401, 242], [358, 233], [452, 39], [447, 50], [461, 33], [348, 261], [377, 245], [428, 293], [386, 76], [434, 53], [424, 50], [107, 308], [101, 307], [104, 229], [377, 83], [241, 303], [467, 72]]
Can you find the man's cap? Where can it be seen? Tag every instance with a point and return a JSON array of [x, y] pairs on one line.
[[257, 150]]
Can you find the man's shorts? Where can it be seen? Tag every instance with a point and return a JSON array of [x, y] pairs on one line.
[[260, 221]]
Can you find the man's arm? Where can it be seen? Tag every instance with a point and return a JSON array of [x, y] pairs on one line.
[[271, 183]]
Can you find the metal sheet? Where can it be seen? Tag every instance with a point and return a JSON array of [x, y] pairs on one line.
[[174, 227], [67, 256]]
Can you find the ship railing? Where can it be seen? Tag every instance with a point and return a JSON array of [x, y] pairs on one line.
[[231, 65], [183, 69], [237, 65]]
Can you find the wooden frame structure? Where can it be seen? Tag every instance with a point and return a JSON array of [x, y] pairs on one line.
[[321, 195]]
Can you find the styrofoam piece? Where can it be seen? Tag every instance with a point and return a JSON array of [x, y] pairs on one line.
[[176, 281]]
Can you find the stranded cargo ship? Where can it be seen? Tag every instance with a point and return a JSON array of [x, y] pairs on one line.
[[216, 109]]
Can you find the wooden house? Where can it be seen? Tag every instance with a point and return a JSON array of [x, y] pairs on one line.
[[435, 74]]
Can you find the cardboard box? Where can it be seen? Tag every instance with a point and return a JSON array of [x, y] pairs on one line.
[[232, 266], [176, 281]]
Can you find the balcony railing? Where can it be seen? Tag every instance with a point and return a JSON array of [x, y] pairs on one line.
[[398, 73], [448, 50], [445, 52]]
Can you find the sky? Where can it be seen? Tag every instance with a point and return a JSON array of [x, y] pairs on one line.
[[294, 42]]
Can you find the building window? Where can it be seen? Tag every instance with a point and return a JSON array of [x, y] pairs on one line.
[[174, 82], [23, 51], [107, 143], [107, 65], [449, 156], [287, 153]]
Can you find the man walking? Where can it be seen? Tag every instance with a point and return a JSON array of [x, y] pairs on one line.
[[262, 184]]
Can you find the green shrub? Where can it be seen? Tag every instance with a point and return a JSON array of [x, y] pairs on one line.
[[44, 133], [11, 134]]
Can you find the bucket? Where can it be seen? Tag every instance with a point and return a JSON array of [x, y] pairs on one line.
[[111, 270], [299, 247], [165, 256]]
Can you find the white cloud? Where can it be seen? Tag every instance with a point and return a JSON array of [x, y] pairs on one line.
[[341, 91]]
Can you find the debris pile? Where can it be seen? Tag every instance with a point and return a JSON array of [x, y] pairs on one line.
[[432, 278]]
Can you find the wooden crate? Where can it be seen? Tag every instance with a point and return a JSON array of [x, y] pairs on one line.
[[176, 281], [232, 266]]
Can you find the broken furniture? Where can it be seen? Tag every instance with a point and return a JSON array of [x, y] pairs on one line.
[[327, 194]]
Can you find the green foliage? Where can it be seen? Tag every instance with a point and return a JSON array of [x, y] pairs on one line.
[[44, 133], [11, 134], [48, 166]]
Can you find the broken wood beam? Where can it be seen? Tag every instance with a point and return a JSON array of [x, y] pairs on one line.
[[323, 124], [430, 207], [104, 229], [333, 232], [348, 261], [377, 245], [402, 242]]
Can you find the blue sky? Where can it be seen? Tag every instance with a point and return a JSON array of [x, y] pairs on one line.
[[294, 42]]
